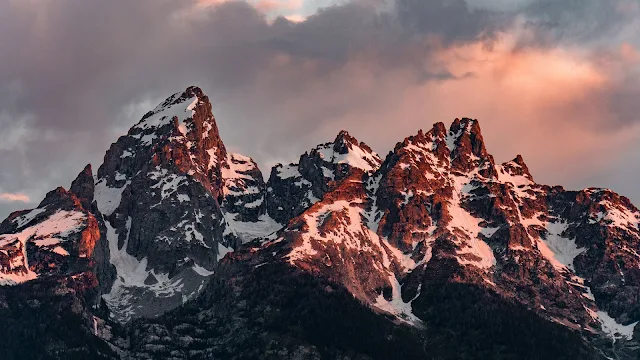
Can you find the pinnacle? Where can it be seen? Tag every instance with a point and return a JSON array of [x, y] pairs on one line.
[[192, 91], [517, 166], [344, 137]]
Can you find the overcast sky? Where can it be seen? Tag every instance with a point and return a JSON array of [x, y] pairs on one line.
[[553, 80]]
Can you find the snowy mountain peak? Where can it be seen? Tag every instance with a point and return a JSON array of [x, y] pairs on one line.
[[517, 167], [161, 188], [293, 188], [179, 134], [179, 105], [346, 149], [467, 145]]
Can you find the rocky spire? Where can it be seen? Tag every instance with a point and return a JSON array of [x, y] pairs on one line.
[[83, 187], [466, 145], [161, 189], [517, 167]]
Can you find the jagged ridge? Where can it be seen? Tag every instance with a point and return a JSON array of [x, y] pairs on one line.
[[169, 202]]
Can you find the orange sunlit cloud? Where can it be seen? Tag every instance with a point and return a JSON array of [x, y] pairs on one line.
[[13, 197], [538, 102]]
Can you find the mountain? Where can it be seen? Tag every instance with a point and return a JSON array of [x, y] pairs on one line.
[[179, 249], [292, 188]]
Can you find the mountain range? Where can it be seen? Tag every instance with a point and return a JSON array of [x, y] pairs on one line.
[[176, 248]]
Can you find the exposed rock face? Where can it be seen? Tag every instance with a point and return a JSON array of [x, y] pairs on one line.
[[84, 188], [244, 189], [161, 188], [58, 238], [293, 188]]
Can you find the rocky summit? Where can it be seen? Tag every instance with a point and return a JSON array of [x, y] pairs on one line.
[[176, 248]]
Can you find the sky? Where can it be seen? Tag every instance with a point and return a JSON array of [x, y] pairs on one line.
[[553, 80]]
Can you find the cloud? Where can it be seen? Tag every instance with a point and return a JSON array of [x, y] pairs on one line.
[[10, 197], [541, 79]]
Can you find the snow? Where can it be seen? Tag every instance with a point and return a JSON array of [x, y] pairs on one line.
[[60, 251], [355, 157], [467, 227], [613, 329], [407, 196], [183, 129], [328, 173], [201, 271], [287, 171], [619, 216], [488, 232], [164, 113], [596, 218], [254, 204], [396, 306], [560, 251], [47, 233], [148, 139], [311, 199], [191, 234], [516, 180], [24, 219], [213, 158], [168, 182], [236, 176], [108, 198], [451, 139], [46, 242], [126, 153], [520, 184], [223, 250], [248, 231], [131, 274]]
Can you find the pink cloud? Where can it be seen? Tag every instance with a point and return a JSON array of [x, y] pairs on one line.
[[541, 103], [14, 197]]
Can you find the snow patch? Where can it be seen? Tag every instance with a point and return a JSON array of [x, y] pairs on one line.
[[223, 250], [24, 219], [613, 329], [467, 227], [248, 231], [396, 306], [287, 171], [201, 270], [560, 251], [355, 157], [107, 197]]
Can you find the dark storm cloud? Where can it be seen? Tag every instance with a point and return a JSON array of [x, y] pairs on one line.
[[74, 72]]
